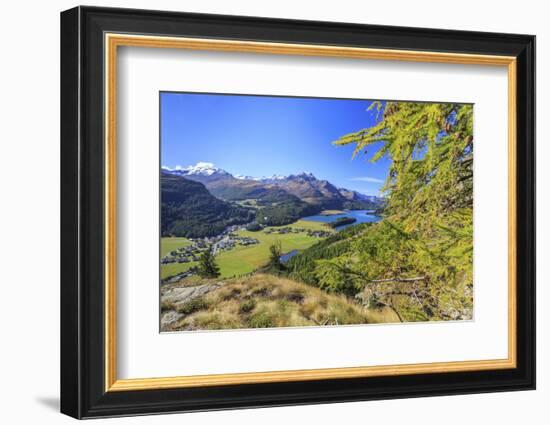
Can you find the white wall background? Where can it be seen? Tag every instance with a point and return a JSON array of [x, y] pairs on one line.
[[29, 176]]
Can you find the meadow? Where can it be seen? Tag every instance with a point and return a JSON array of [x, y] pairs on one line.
[[170, 244], [245, 259]]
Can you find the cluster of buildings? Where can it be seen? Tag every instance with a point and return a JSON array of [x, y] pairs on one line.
[[231, 240], [185, 254], [283, 230], [224, 242], [318, 233], [286, 230]]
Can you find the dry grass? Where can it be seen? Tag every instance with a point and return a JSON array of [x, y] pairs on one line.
[[381, 315], [266, 301]]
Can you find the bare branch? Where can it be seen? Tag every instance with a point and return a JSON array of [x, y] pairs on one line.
[[399, 279]]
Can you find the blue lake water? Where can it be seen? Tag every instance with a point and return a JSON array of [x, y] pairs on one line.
[[361, 216], [285, 257]]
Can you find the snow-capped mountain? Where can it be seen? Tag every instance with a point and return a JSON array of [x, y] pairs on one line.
[[241, 177], [207, 169], [303, 185], [203, 172], [199, 169], [272, 179]]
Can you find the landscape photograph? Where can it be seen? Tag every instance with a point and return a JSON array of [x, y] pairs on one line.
[[283, 211]]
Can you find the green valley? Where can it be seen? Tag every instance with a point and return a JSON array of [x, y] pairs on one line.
[[243, 259], [387, 242]]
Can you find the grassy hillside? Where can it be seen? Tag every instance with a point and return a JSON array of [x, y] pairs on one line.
[[303, 267], [262, 301]]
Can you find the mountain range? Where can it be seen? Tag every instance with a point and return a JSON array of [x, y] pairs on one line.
[[188, 209], [303, 186]]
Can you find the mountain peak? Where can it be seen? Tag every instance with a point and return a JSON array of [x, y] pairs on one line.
[[200, 168], [305, 175], [201, 164], [204, 168], [303, 185], [257, 179]]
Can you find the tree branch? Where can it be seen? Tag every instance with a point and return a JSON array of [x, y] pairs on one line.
[[392, 308], [399, 279]]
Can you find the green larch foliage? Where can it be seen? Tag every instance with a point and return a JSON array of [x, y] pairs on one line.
[[275, 252], [207, 267], [418, 260]]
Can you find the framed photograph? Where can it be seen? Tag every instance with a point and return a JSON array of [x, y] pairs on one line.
[[261, 212]]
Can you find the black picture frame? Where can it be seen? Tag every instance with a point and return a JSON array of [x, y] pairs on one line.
[[83, 392]]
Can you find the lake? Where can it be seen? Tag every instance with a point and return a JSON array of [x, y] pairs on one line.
[[361, 216], [285, 257]]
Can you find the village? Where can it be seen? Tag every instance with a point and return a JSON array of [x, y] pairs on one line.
[[227, 241], [222, 242], [286, 230]]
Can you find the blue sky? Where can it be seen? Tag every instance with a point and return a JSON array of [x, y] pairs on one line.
[[263, 135]]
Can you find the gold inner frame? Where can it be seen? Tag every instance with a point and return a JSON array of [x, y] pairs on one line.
[[113, 41]]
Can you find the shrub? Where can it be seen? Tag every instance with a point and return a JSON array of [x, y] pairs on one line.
[[295, 296], [192, 306], [230, 294], [253, 227], [261, 320], [167, 306], [212, 320], [275, 252], [247, 306]]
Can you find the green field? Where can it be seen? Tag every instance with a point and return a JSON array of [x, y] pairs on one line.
[[331, 212], [245, 259], [310, 225], [248, 203], [172, 269], [170, 244]]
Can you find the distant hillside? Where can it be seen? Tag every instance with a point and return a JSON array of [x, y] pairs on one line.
[[304, 187], [355, 198], [322, 193], [232, 189], [221, 184], [189, 210], [311, 190], [274, 205], [278, 207]]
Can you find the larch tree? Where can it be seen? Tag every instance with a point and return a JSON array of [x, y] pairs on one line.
[[207, 267], [418, 260]]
